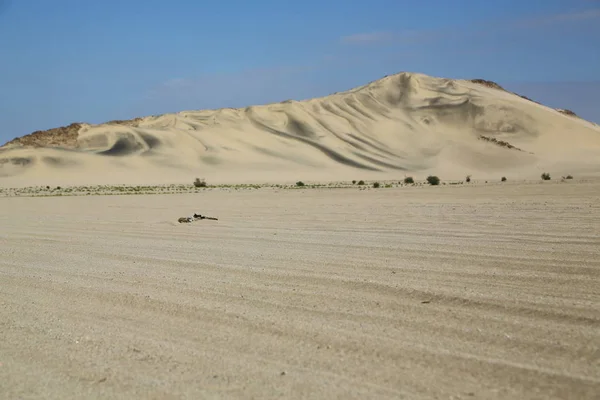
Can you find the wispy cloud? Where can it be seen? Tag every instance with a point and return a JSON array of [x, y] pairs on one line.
[[367, 38], [482, 28], [175, 83], [543, 20]]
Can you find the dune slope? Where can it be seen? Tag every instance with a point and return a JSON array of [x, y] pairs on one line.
[[403, 123]]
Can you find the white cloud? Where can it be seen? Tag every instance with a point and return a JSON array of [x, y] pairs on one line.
[[367, 38]]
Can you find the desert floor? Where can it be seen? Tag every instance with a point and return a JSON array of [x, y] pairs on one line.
[[483, 291]]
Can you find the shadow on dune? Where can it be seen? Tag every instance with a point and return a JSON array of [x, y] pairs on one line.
[[373, 105], [151, 140], [59, 161], [325, 150], [379, 162], [331, 109], [343, 137], [401, 91], [379, 147], [18, 161], [211, 160], [12, 166], [126, 143], [354, 105], [124, 146]]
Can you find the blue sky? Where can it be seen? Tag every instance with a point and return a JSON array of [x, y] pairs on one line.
[[63, 61]]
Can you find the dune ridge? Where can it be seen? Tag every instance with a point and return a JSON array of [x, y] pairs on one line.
[[401, 124]]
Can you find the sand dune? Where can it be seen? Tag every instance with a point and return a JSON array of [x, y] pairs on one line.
[[449, 292], [404, 123]]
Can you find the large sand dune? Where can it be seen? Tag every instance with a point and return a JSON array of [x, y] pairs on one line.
[[448, 292], [404, 123]]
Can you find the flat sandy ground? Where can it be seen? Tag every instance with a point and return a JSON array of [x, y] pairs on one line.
[[436, 292]]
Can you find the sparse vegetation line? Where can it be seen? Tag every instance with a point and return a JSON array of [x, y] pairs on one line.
[[199, 186]]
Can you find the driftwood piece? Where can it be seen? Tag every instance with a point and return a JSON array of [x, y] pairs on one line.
[[196, 217], [199, 216]]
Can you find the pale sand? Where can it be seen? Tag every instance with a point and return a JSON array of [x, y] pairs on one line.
[[406, 123], [436, 292]]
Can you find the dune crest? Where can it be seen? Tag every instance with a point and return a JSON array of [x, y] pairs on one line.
[[403, 123]]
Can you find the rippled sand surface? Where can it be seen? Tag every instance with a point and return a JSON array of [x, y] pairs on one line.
[[435, 292]]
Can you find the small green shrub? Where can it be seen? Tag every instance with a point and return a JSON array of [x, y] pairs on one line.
[[468, 178], [361, 182], [199, 182], [546, 176], [433, 180], [299, 183], [376, 185], [569, 177], [354, 182], [408, 180], [503, 179]]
